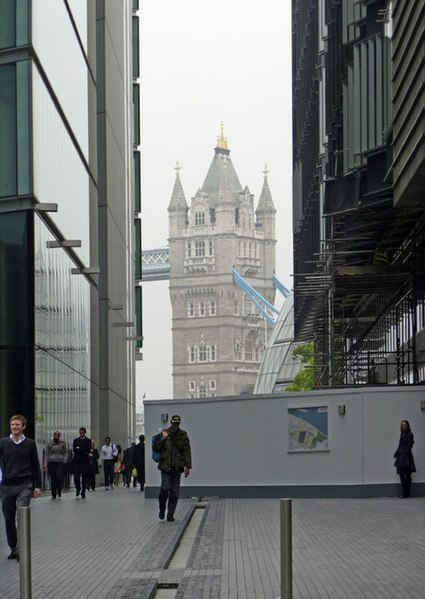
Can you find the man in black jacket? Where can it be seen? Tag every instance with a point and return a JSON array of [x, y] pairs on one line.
[[21, 477], [175, 458], [139, 461], [128, 461], [81, 448]]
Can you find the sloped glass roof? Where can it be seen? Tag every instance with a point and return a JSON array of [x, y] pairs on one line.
[[278, 367]]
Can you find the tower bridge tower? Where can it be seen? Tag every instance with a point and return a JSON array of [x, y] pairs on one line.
[[218, 334]]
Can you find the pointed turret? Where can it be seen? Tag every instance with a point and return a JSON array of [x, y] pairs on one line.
[[178, 208], [178, 199], [221, 179], [266, 211], [265, 203]]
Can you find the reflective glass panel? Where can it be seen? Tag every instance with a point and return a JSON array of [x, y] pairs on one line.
[[62, 342], [59, 174], [14, 129], [135, 47], [13, 23], [65, 68], [136, 113], [136, 182], [138, 312], [8, 142], [138, 248], [16, 342]]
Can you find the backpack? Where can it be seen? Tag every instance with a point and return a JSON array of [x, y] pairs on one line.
[[155, 453]]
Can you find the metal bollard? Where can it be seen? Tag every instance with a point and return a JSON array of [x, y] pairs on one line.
[[286, 548], [24, 538]]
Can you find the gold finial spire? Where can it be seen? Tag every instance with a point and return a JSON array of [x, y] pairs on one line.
[[221, 140]]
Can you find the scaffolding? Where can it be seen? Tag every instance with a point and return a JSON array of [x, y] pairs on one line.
[[367, 299]]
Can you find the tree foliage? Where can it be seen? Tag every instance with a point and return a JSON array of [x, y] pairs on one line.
[[304, 379]]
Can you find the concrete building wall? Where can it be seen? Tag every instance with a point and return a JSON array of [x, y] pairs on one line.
[[115, 413], [240, 445]]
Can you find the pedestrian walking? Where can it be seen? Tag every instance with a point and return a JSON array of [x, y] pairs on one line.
[[139, 462], [56, 458], [128, 462], [94, 466], [108, 455], [404, 461], [175, 459], [21, 477], [81, 448]]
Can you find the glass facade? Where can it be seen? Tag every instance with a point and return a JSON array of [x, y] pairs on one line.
[[136, 113], [138, 244], [65, 69], [13, 23], [14, 127], [60, 175], [16, 312], [136, 183], [47, 314], [278, 367], [62, 341], [136, 68], [8, 141], [44, 310], [138, 311]]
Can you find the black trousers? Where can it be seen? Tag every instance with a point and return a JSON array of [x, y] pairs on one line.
[[12, 498], [170, 490], [141, 477], [55, 470], [81, 478], [406, 481], [108, 472]]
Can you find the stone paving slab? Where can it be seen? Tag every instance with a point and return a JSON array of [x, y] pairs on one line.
[[203, 573], [112, 546]]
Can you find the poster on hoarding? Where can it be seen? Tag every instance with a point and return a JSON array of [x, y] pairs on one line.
[[308, 429]]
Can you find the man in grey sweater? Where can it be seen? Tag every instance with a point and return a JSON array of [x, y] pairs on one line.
[[21, 477]]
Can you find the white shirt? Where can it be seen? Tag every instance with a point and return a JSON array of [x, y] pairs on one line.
[[108, 452], [12, 438]]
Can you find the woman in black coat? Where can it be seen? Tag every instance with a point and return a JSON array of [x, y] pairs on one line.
[[404, 461]]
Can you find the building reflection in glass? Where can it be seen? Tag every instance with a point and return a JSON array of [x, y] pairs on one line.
[[62, 342]]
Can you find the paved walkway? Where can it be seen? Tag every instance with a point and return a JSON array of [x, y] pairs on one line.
[[112, 546]]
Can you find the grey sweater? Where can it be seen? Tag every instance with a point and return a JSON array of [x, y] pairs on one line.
[[56, 452], [19, 463]]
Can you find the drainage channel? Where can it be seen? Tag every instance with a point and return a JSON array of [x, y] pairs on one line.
[[168, 590]]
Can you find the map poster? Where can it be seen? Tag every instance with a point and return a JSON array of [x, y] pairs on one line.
[[308, 429]]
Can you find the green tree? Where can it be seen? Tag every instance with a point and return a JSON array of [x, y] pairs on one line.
[[304, 379]]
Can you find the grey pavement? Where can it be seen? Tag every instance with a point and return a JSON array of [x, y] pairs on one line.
[[112, 546]]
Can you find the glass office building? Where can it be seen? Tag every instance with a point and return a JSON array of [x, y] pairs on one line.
[[358, 183], [66, 217]]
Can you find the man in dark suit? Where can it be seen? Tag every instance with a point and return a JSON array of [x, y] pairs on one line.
[[81, 448]]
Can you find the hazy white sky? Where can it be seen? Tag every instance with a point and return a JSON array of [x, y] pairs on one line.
[[203, 63]]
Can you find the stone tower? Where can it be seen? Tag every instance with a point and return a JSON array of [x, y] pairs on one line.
[[218, 333]]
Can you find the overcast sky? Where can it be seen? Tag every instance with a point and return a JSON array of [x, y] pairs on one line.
[[203, 63]]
